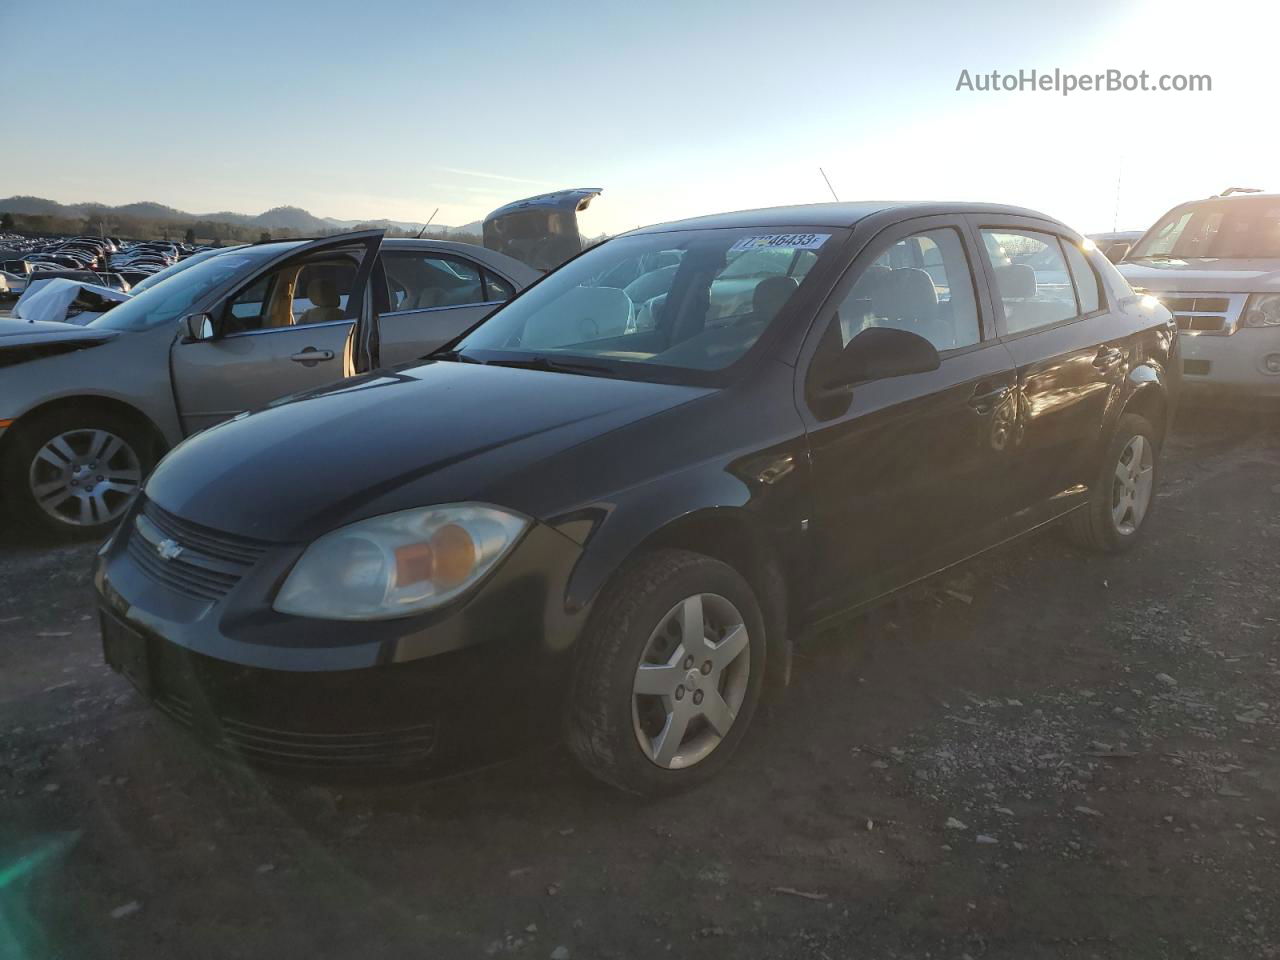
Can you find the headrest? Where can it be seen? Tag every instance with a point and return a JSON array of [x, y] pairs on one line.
[[323, 292], [908, 294], [872, 279], [770, 294], [1017, 281]]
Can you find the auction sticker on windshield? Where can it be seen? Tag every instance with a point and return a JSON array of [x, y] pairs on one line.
[[792, 241]]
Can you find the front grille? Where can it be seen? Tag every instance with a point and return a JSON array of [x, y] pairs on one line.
[[400, 746], [1211, 313], [197, 562]]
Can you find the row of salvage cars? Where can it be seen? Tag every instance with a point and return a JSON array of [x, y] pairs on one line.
[[611, 497], [92, 403]]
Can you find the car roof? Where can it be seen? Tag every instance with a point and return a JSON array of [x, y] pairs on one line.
[[838, 214]]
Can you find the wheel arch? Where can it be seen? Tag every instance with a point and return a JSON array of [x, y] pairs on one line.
[[1148, 401], [734, 537], [94, 402]]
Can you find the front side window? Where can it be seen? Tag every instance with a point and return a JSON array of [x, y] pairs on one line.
[[693, 300], [921, 284], [1032, 279], [417, 281], [1237, 228], [293, 295]]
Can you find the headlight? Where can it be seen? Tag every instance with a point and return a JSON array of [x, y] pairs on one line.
[[398, 564], [1262, 310]]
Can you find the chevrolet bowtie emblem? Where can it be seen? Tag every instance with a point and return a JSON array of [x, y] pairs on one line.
[[169, 549]]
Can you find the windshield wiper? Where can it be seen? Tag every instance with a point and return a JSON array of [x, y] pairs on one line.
[[540, 362], [452, 355]]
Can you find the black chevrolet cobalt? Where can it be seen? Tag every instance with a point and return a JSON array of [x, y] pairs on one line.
[[609, 510]]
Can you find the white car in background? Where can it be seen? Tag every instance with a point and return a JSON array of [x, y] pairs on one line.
[[1215, 263]]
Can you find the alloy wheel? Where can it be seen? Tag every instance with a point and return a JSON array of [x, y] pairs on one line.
[[1131, 488], [86, 477], [691, 681]]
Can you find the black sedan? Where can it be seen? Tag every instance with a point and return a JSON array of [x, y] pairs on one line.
[[608, 510]]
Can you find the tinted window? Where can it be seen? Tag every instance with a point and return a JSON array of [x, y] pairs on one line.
[[1032, 278], [922, 284], [417, 281], [1085, 279]]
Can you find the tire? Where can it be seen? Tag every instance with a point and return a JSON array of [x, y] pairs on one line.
[[1101, 525], [76, 438], [641, 616]]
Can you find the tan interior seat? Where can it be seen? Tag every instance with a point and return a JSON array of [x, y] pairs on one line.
[[323, 293]]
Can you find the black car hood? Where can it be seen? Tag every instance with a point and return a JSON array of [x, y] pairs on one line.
[[441, 432]]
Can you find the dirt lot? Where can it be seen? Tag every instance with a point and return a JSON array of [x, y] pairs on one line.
[[1048, 755]]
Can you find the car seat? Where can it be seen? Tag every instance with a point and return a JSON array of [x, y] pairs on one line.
[[323, 293]]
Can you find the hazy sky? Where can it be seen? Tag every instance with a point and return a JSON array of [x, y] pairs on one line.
[[383, 108]]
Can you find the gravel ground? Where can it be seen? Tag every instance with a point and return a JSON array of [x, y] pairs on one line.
[[1047, 755]]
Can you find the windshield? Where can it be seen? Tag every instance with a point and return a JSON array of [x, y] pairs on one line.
[[1226, 229], [693, 300], [174, 296], [178, 267]]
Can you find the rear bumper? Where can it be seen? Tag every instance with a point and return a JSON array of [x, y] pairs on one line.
[[1234, 365]]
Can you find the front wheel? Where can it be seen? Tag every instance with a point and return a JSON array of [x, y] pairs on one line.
[[1124, 492], [668, 675], [72, 473]]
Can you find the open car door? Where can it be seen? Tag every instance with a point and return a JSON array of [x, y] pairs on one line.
[[277, 329], [541, 231]]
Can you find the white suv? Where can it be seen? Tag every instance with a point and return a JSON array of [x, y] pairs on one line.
[[1215, 264]]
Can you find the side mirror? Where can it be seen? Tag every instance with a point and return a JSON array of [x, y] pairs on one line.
[[1118, 251], [198, 326], [878, 353]]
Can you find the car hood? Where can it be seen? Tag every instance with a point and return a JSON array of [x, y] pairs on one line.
[[1205, 274], [440, 432], [22, 340]]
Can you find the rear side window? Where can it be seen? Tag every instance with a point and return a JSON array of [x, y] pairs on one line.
[[417, 281], [1032, 278], [922, 284], [495, 288], [1085, 279]]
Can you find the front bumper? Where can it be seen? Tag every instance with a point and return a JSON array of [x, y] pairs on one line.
[[438, 692], [1231, 365]]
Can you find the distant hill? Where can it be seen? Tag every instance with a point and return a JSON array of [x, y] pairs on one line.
[[277, 218]]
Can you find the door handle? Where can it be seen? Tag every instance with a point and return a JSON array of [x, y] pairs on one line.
[[310, 356], [1107, 357], [985, 398]]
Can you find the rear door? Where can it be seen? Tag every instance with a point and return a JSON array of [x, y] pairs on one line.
[[280, 331], [910, 473], [431, 298], [1052, 314]]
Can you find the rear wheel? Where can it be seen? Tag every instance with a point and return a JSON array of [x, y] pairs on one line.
[[1124, 491], [73, 473], [669, 674]]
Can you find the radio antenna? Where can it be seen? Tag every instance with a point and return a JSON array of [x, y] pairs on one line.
[[428, 223], [829, 186]]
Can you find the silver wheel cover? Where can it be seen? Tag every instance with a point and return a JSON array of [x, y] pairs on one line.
[[691, 681], [85, 477], [1131, 486]]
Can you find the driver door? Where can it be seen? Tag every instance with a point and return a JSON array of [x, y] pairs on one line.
[[281, 331]]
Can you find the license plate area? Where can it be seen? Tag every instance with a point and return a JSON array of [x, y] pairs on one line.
[[125, 651]]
